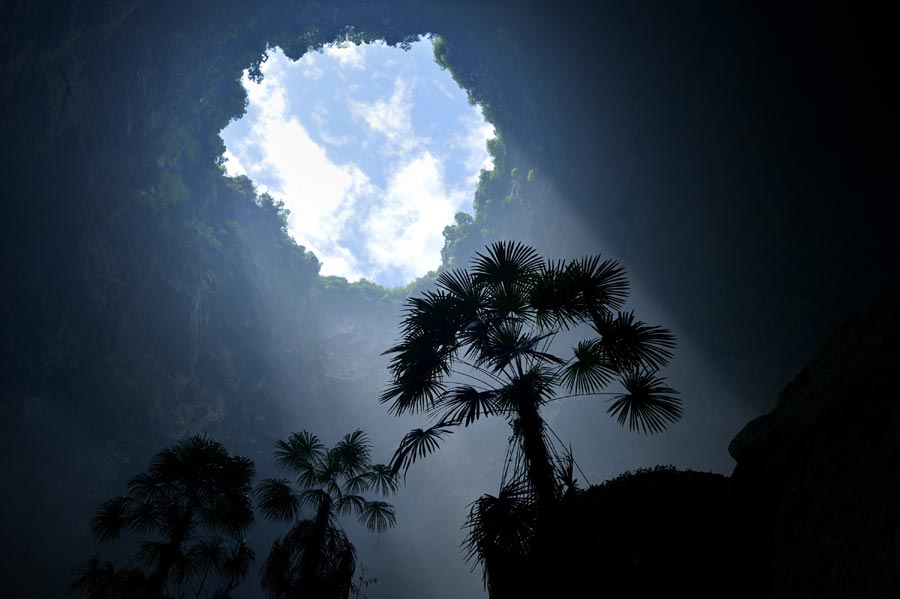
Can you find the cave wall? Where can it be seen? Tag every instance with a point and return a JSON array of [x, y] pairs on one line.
[[734, 158]]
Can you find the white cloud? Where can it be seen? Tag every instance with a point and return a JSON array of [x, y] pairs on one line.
[[321, 195], [310, 69], [473, 144], [233, 165], [347, 55], [356, 228], [392, 118], [405, 231]]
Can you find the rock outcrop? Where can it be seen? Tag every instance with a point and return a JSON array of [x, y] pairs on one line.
[[812, 509], [817, 478]]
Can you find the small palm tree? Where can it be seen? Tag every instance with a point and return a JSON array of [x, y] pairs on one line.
[[315, 558], [482, 344], [194, 504]]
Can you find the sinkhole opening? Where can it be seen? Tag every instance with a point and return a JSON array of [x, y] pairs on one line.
[[372, 148]]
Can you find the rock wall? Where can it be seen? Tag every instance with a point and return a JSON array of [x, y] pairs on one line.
[[817, 476]]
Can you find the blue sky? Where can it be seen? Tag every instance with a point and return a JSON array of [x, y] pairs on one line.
[[372, 148]]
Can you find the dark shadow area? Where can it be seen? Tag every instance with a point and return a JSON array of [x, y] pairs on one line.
[[737, 159]]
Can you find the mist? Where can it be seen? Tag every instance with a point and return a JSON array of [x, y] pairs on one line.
[[733, 159]]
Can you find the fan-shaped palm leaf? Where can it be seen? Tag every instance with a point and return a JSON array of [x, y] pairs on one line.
[[209, 553], [154, 553], [436, 315], [553, 297], [590, 370], [601, 285], [535, 386], [145, 487], [182, 566], [629, 344], [509, 300], [416, 388], [300, 450], [357, 484], [316, 499], [237, 565], [329, 471], [382, 479], [468, 296], [507, 342], [349, 504], [465, 404], [417, 443], [506, 262], [142, 517], [353, 452], [378, 516], [95, 579], [277, 500], [111, 519], [229, 514], [650, 405], [501, 527]]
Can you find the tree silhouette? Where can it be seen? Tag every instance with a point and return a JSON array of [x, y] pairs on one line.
[[482, 345], [315, 558], [193, 503]]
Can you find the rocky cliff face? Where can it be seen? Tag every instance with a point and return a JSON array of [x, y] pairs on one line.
[[817, 477], [811, 509]]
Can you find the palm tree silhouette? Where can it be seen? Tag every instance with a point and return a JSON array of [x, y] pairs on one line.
[[194, 502], [315, 558], [481, 345]]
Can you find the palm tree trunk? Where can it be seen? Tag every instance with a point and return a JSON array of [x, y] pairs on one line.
[[309, 582], [538, 466]]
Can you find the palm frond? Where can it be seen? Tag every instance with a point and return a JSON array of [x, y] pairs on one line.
[[378, 516], [298, 451], [417, 443], [649, 404], [277, 574], [510, 300], [111, 519], [307, 475], [590, 370], [505, 262], [237, 565], [468, 295], [94, 579], [277, 500], [142, 517], [476, 337], [383, 480], [145, 487], [229, 514], [534, 386], [436, 314], [210, 553], [357, 484], [349, 504], [631, 344], [465, 404], [553, 298], [500, 528], [353, 452], [182, 565], [315, 498], [418, 369], [508, 342], [601, 285]]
